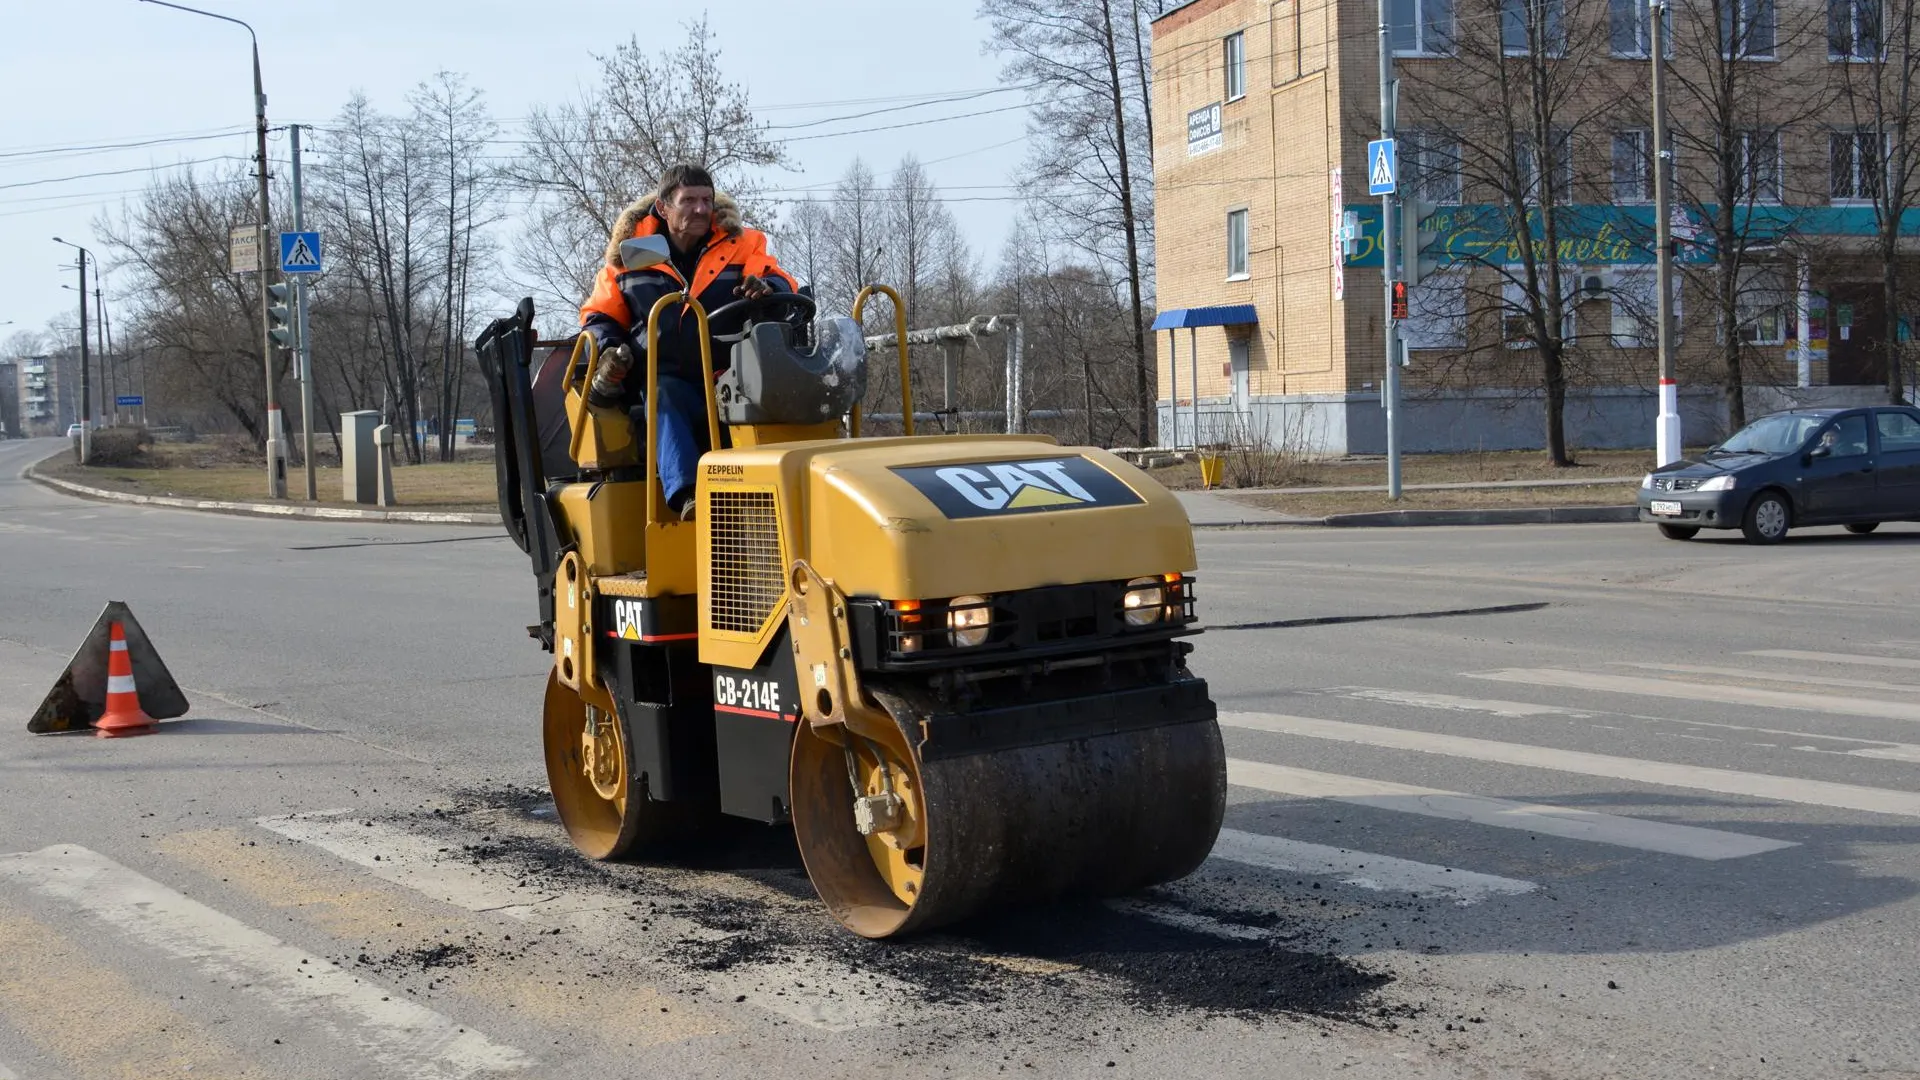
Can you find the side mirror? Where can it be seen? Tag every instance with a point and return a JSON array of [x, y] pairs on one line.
[[642, 252]]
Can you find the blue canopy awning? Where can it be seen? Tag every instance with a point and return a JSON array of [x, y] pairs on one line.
[[1219, 315]]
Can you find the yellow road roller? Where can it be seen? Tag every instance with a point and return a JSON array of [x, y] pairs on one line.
[[955, 664]]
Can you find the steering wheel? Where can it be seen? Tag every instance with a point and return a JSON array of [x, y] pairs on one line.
[[795, 308]]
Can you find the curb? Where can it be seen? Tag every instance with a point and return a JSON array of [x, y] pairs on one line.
[[1520, 515], [322, 513]]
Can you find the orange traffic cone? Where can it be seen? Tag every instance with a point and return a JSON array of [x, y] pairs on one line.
[[124, 717]]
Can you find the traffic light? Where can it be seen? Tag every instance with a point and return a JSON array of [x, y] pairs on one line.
[[280, 315], [1398, 309], [1418, 234]]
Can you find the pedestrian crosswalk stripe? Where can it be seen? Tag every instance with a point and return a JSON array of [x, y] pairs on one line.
[[1906, 662], [416, 862], [1451, 703], [97, 1021], [407, 1039], [1666, 774], [1775, 676], [1717, 694], [1365, 869], [1598, 828]]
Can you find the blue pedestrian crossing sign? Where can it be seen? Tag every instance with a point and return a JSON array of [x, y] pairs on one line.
[[300, 252], [1383, 167]]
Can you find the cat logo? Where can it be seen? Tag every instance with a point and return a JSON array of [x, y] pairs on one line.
[[1014, 487], [626, 619]]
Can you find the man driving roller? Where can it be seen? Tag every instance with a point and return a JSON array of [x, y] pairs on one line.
[[715, 259]]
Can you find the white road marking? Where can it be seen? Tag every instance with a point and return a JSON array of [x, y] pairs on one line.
[[8, 1074], [419, 863], [1598, 828], [407, 1039], [1718, 694], [1771, 676], [1382, 873], [1907, 662], [1451, 703], [1168, 915], [1667, 774]]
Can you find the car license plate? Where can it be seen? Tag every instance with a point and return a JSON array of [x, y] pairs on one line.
[[1671, 509]]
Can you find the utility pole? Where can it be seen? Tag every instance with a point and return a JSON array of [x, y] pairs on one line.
[[1667, 430], [276, 431], [303, 346], [1390, 384], [109, 391], [86, 386]]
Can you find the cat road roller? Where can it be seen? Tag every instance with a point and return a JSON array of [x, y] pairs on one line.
[[954, 663]]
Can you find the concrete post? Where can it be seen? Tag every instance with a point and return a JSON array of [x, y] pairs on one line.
[[383, 448]]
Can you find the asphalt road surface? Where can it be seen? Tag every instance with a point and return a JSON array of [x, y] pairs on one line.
[[1546, 802]]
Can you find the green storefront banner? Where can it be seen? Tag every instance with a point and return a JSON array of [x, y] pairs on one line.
[[1605, 235]]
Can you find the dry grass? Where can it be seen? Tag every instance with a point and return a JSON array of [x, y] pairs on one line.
[[1320, 504], [1468, 468], [223, 470]]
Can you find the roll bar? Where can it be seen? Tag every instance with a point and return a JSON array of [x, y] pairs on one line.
[[900, 338]]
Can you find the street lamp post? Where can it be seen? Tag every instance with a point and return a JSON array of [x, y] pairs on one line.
[[276, 460], [86, 392]]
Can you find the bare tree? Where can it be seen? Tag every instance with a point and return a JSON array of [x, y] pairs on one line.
[[1093, 159], [1879, 159], [587, 160], [456, 127], [1505, 110], [1733, 110], [804, 242], [198, 323], [376, 202]]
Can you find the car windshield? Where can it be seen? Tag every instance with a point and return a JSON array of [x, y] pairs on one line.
[[1779, 434]]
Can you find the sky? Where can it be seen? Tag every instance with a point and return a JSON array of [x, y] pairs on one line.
[[82, 73]]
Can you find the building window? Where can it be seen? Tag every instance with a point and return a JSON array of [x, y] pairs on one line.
[[1430, 164], [1522, 22], [1437, 311], [1235, 55], [1236, 244], [1420, 27], [1635, 318], [1631, 29], [1746, 29], [1762, 306], [1516, 308], [1561, 173], [1632, 166], [1759, 180], [1853, 30], [1857, 160]]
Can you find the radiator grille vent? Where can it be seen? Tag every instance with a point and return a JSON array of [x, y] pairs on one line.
[[748, 580]]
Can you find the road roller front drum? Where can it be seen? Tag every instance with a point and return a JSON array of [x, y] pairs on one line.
[[896, 844]]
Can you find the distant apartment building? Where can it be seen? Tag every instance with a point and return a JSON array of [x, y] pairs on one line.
[[1269, 277], [44, 393]]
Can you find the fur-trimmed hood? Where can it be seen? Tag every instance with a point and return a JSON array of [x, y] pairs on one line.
[[726, 219]]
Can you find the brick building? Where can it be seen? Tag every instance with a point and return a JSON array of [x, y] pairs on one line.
[[1262, 113]]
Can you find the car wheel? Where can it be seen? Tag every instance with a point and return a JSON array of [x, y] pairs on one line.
[[1679, 532], [1862, 528], [1767, 518]]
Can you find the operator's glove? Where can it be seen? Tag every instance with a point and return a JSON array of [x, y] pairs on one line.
[[610, 376]]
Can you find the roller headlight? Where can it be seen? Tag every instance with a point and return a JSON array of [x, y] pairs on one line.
[[1145, 602], [1717, 483], [969, 620]]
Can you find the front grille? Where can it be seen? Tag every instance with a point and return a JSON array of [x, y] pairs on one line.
[[748, 580], [1052, 619], [1675, 483]]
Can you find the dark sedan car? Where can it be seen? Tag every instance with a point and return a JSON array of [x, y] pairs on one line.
[[1851, 467]]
